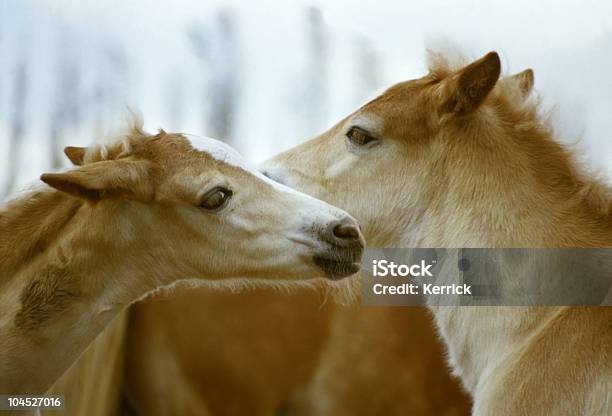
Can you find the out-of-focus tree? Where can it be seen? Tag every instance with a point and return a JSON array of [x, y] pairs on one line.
[[368, 68], [3, 8], [175, 100], [111, 86], [17, 120], [317, 72], [65, 113], [217, 48]]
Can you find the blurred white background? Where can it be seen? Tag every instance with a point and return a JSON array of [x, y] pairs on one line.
[[265, 75]]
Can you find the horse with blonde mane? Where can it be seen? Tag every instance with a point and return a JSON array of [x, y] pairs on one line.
[[144, 213], [462, 159]]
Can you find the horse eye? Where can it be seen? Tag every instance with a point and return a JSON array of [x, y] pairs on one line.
[[359, 136], [216, 199]]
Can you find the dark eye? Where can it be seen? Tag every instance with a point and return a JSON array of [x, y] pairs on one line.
[[216, 199], [359, 136]]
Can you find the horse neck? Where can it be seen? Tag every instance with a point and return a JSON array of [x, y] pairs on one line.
[[563, 209], [50, 228], [30, 224], [506, 329], [64, 276], [543, 200]]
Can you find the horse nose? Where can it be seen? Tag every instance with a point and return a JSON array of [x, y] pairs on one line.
[[344, 232]]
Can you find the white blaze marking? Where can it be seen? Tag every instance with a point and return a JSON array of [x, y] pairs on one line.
[[218, 150], [227, 154]]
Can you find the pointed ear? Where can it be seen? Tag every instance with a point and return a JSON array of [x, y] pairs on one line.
[[100, 180], [469, 87], [523, 82], [75, 154]]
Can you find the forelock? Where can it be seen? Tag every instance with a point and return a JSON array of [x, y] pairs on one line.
[[118, 143]]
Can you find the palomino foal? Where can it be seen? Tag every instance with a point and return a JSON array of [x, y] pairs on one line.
[[137, 215], [458, 159]]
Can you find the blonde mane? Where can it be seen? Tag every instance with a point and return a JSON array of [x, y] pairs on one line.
[[118, 145], [534, 126]]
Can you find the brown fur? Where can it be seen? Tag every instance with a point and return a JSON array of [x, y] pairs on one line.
[[92, 385], [46, 297], [21, 239], [266, 363], [128, 220], [209, 379], [488, 176]]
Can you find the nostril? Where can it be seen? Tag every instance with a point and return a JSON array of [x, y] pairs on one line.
[[346, 232], [343, 233]]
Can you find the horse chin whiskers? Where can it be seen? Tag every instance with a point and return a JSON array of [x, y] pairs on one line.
[[339, 262]]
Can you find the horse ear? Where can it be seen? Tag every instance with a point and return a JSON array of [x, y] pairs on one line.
[[104, 179], [523, 82], [75, 154], [469, 87]]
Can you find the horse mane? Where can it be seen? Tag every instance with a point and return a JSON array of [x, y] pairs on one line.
[[118, 144], [536, 130]]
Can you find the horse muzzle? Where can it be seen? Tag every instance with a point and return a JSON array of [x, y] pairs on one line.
[[344, 245]]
